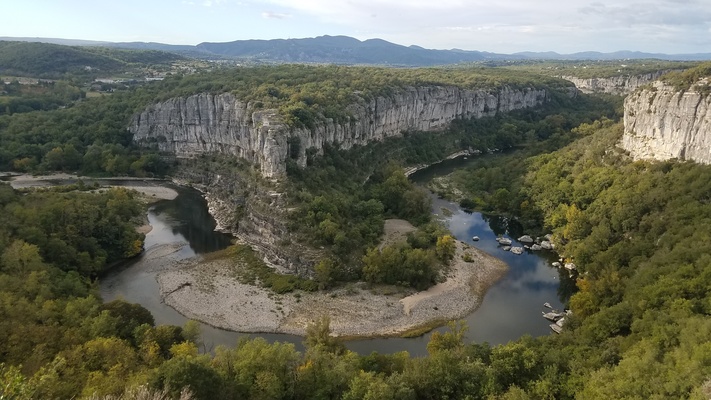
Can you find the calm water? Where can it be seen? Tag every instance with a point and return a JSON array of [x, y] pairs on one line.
[[184, 220], [510, 309]]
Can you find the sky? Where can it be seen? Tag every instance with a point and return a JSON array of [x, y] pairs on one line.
[[501, 26]]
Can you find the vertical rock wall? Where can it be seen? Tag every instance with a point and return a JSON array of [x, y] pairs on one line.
[[663, 123], [620, 85], [205, 123]]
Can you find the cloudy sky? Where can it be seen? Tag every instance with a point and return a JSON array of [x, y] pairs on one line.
[[502, 26]]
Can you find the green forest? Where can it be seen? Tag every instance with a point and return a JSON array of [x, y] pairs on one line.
[[587, 69], [639, 232], [640, 325], [46, 60], [341, 198]]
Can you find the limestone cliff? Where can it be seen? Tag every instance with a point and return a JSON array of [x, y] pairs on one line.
[[663, 123], [204, 123], [620, 85], [252, 209]]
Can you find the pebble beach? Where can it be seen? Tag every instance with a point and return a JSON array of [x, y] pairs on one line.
[[207, 291]]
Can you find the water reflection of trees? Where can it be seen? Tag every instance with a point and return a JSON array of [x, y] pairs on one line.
[[567, 286], [502, 225], [524, 269], [191, 219]]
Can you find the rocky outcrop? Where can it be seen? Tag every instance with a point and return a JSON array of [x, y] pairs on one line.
[[252, 210], [663, 123], [222, 123], [620, 85]]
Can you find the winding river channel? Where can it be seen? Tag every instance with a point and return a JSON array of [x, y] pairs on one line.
[[510, 309]]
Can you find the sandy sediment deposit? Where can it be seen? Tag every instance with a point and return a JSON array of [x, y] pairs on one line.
[[209, 291], [151, 188], [156, 192]]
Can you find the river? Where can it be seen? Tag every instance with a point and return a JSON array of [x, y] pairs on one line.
[[510, 309]]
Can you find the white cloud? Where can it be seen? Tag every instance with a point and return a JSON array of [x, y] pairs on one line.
[[210, 3], [670, 26], [274, 15], [508, 25], [204, 3]]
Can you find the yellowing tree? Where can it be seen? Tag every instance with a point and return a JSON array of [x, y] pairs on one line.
[[445, 248]]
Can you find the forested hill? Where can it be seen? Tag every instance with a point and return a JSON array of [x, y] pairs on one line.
[[348, 50], [51, 60], [638, 233], [340, 50]]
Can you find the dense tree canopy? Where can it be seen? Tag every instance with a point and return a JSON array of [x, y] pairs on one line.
[[48, 60], [684, 80], [637, 232]]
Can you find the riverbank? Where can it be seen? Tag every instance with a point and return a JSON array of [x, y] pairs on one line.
[[411, 170], [207, 290], [149, 187]]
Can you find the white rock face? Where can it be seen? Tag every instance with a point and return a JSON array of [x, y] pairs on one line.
[[205, 123], [622, 84], [662, 123]]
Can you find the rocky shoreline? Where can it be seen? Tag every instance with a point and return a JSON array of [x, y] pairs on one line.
[[411, 170], [207, 290]]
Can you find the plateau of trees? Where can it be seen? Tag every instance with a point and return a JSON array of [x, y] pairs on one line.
[[687, 79], [306, 94], [90, 137], [596, 68], [44, 95]]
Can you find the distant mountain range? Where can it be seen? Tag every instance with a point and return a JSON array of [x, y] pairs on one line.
[[348, 50]]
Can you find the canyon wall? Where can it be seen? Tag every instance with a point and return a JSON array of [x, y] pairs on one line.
[[251, 207], [252, 210], [620, 85], [662, 123], [207, 123]]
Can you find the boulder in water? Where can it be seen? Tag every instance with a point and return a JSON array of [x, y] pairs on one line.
[[503, 241], [525, 239]]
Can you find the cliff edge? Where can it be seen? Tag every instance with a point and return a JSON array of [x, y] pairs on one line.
[[662, 122], [619, 85], [222, 123]]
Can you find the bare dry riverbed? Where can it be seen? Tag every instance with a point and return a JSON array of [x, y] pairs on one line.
[[151, 188], [208, 291]]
